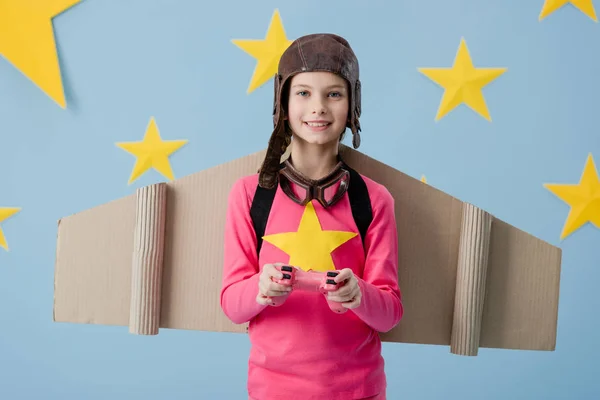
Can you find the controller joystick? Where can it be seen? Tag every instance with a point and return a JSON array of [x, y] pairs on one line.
[[320, 282]]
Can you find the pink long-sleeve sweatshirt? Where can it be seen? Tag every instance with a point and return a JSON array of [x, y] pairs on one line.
[[301, 349]]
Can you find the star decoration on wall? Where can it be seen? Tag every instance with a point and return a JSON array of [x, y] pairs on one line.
[[152, 152], [266, 51], [5, 213], [585, 6], [582, 197], [463, 83], [27, 42], [310, 247]]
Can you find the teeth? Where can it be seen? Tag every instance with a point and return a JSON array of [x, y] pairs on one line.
[[316, 124]]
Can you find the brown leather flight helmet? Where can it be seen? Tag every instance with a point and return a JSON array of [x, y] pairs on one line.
[[314, 52]]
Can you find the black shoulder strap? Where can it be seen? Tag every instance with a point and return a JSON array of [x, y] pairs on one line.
[[259, 212], [360, 202]]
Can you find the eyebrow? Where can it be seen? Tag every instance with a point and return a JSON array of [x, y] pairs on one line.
[[337, 86]]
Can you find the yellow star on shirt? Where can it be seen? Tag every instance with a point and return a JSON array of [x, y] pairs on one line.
[[267, 52], [584, 199], [310, 247], [463, 83], [585, 6], [5, 213], [27, 41], [152, 152]]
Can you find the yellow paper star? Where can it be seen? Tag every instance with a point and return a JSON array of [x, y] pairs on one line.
[[423, 179], [585, 6], [27, 41], [5, 213], [583, 198], [267, 52], [463, 83], [152, 152], [310, 247]]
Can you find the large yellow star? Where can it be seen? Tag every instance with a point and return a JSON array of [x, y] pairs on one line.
[[267, 52], [584, 199], [463, 83], [585, 6], [27, 41], [310, 247], [5, 213], [152, 152]]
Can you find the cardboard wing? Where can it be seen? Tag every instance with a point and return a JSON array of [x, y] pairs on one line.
[[153, 260]]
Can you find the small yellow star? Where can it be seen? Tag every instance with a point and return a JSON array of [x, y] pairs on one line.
[[5, 213], [27, 41], [585, 6], [463, 83], [310, 247], [152, 152], [423, 179], [583, 198], [267, 52]]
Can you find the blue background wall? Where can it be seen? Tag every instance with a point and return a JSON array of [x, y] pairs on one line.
[[123, 62]]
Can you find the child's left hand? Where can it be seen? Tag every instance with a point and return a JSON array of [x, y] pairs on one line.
[[349, 294]]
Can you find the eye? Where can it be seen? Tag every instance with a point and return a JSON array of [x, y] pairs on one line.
[[335, 94], [301, 93]]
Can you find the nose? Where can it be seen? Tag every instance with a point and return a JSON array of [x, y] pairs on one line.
[[318, 106]]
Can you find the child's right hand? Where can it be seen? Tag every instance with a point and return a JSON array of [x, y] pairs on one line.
[[267, 288]]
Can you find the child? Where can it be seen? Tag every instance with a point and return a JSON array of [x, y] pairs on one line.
[[300, 348]]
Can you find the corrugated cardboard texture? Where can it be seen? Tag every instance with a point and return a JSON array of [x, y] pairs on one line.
[[468, 280], [471, 272], [148, 254]]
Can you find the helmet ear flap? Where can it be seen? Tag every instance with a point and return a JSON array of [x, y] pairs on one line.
[[357, 99], [355, 114], [276, 100]]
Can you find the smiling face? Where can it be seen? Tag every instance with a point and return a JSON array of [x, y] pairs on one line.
[[318, 107]]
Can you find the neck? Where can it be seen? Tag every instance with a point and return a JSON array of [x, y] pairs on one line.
[[313, 161]]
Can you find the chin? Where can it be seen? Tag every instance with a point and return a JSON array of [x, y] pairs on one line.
[[318, 141]]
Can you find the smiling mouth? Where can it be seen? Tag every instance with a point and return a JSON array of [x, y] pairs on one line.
[[317, 124]]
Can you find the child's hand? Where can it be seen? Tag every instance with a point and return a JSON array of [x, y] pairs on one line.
[[267, 288], [349, 294]]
